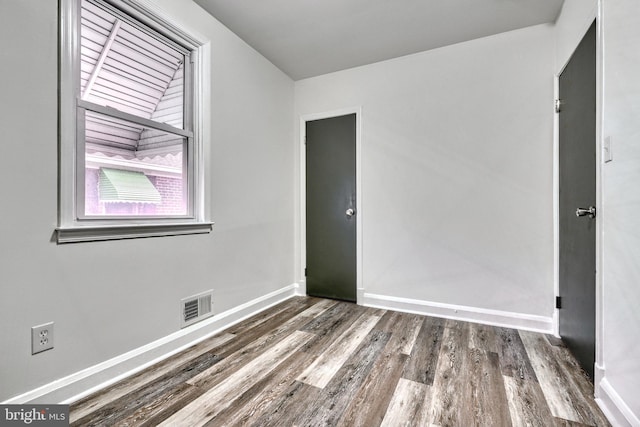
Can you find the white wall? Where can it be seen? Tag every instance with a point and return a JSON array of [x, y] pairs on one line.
[[108, 298], [620, 199], [456, 170]]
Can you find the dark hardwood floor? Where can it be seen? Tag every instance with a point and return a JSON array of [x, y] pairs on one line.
[[315, 362]]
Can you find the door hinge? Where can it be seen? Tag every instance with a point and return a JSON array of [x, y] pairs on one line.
[[558, 302], [305, 272], [558, 105]]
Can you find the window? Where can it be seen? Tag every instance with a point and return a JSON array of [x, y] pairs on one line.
[[130, 125]]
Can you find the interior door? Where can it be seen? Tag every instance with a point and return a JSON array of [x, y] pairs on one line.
[[577, 175], [331, 207]]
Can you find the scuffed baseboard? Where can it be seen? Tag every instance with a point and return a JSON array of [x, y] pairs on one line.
[[94, 378]]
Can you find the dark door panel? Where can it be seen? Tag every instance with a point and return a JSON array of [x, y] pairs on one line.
[[330, 194], [577, 182]]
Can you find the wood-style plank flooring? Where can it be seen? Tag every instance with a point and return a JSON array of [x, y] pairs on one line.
[[315, 362]]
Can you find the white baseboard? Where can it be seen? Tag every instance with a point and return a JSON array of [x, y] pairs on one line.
[[614, 407], [94, 378], [468, 314]]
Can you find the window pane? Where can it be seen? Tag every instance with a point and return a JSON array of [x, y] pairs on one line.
[[131, 170], [126, 68]]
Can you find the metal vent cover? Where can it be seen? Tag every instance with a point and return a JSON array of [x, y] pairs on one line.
[[196, 308]]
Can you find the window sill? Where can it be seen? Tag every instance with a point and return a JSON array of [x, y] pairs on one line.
[[118, 232]]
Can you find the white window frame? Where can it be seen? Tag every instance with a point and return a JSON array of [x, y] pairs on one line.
[[75, 227]]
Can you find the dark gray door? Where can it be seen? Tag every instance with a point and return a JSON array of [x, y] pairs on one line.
[[331, 207], [577, 170]]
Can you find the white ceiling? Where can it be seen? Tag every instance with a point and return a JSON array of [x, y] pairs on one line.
[[306, 38]]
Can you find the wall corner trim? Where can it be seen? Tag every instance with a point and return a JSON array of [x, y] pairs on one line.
[[80, 384], [614, 407], [506, 319], [301, 288]]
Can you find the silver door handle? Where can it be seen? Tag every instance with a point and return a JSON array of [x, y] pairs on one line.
[[590, 212], [350, 212]]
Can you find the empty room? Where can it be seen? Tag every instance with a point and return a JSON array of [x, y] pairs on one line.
[[337, 213]]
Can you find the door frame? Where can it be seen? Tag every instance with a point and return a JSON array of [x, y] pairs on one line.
[[599, 326], [302, 284]]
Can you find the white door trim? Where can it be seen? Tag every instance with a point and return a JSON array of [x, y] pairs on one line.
[[599, 368], [303, 208]]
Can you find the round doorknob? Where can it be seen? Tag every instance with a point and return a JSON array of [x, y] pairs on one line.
[[350, 212]]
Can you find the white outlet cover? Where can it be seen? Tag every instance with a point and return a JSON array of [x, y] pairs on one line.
[[41, 338]]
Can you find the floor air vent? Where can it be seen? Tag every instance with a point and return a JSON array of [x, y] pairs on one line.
[[196, 308]]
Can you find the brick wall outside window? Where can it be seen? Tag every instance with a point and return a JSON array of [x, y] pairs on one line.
[[171, 191]]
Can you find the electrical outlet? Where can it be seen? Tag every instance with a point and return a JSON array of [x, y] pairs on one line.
[[41, 338]]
